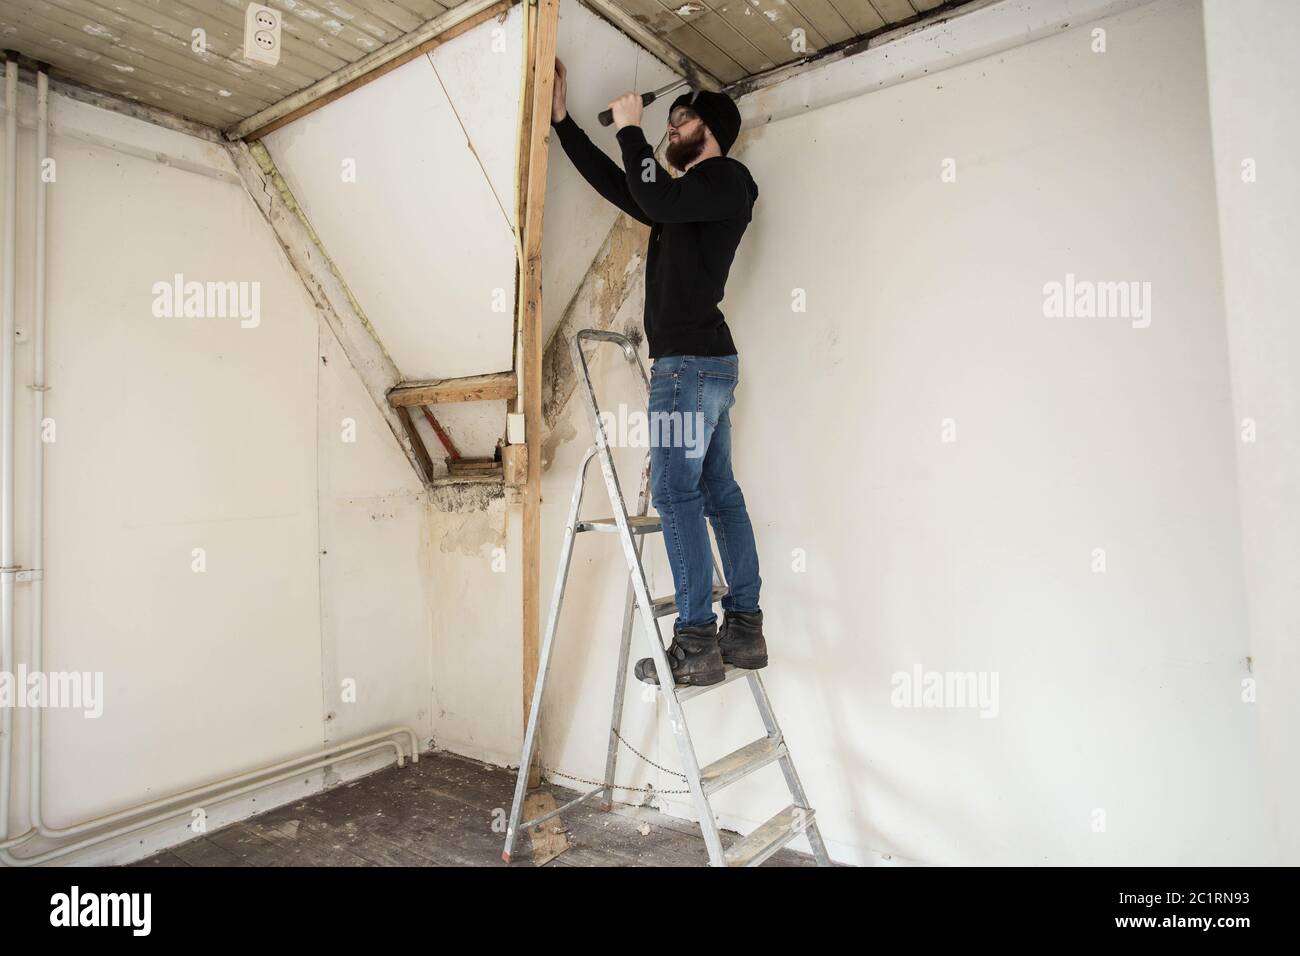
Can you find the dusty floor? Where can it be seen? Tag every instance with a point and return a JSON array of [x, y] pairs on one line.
[[439, 812]]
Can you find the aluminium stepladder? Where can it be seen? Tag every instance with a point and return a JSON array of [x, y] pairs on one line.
[[703, 782]]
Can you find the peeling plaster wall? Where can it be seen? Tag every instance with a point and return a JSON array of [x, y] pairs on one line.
[[1119, 693], [475, 574], [258, 445], [616, 277]]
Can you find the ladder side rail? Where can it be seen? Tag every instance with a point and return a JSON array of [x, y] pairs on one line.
[[686, 751], [792, 780], [552, 623], [624, 652]]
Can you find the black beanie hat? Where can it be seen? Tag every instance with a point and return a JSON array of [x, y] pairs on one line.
[[718, 112]]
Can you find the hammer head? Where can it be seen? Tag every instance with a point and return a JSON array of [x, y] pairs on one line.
[[692, 78]]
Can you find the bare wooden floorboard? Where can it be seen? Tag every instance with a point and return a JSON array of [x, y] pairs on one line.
[[445, 810], [203, 852], [166, 858]]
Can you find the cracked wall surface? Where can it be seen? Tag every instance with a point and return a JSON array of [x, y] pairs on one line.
[[616, 276]]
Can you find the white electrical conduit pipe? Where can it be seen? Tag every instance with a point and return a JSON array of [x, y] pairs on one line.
[[38, 444], [212, 791], [187, 808], [177, 804], [7, 569]]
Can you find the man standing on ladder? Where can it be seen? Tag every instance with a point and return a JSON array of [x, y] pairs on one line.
[[696, 223]]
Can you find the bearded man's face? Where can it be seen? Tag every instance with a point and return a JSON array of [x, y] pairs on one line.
[[685, 142]]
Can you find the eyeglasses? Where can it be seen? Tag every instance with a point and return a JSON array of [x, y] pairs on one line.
[[681, 116]]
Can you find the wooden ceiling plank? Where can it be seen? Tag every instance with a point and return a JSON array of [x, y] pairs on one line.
[[784, 18], [134, 33], [306, 21], [309, 23], [711, 31], [80, 52], [362, 17], [425, 9], [308, 59], [830, 22], [861, 16], [422, 12], [293, 30], [61, 47], [894, 11], [622, 15], [703, 52], [376, 15], [225, 43], [704, 19], [757, 30]]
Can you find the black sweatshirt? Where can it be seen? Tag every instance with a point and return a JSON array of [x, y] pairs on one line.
[[696, 223]]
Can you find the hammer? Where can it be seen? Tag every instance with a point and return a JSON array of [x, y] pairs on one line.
[[607, 116]]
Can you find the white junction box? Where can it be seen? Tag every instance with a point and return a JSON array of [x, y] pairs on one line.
[[262, 34], [515, 428]]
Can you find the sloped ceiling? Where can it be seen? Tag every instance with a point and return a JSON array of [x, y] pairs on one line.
[[145, 50], [734, 39], [409, 182]]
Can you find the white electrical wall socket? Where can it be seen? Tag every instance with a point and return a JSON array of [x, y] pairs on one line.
[[262, 34]]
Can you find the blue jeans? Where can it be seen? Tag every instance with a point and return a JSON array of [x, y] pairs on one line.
[[690, 478]]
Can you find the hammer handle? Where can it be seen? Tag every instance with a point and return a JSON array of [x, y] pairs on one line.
[[607, 116]]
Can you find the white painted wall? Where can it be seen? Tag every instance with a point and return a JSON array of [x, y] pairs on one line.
[[423, 234], [182, 433], [1254, 83], [1118, 692]]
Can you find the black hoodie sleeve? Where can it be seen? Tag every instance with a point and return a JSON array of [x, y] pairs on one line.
[[597, 169], [711, 192]]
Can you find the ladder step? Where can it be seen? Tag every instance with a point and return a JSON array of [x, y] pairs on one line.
[[668, 603], [638, 524], [737, 764], [688, 691], [741, 763], [770, 837]]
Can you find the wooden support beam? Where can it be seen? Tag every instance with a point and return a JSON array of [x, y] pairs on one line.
[[423, 463], [498, 386], [540, 47], [333, 299], [447, 25]]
